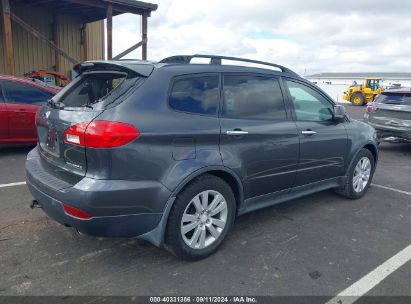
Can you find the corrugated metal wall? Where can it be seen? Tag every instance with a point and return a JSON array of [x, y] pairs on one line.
[[2, 54], [95, 37], [69, 37], [32, 54]]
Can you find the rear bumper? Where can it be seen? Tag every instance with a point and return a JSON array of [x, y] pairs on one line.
[[107, 226], [118, 208], [393, 136], [390, 133]]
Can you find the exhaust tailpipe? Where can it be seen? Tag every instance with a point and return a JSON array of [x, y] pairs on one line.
[[35, 204]]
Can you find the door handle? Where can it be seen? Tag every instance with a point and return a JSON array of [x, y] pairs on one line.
[[236, 132], [308, 132]]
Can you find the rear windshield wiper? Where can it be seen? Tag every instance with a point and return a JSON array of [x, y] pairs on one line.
[[55, 104], [88, 106]]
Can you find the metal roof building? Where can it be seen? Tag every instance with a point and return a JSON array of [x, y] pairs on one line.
[[56, 34], [383, 75]]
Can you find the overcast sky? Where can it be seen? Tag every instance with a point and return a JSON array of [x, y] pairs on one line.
[[308, 36]]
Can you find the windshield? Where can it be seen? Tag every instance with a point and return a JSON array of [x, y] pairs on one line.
[[374, 84], [94, 87], [398, 98]]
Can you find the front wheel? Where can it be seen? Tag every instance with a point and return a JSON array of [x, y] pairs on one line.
[[357, 99], [200, 219], [359, 175]]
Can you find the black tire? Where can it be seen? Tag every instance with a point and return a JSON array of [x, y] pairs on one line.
[[174, 242], [358, 96], [348, 190]]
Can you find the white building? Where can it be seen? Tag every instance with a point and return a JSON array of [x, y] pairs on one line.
[[388, 79], [336, 83]]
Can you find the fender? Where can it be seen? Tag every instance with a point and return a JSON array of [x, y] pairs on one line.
[[156, 236], [358, 151]]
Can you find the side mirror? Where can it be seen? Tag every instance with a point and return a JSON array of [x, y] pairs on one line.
[[339, 112]]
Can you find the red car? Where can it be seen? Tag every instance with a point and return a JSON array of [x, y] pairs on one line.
[[19, 101]]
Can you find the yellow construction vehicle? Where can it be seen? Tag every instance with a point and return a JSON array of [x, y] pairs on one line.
[[359, 95]]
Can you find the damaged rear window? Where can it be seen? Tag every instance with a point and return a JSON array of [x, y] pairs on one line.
[[396, 98], [96, 87]]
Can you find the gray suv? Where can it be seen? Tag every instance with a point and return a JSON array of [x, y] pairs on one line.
[[172, 152], [390, 115]]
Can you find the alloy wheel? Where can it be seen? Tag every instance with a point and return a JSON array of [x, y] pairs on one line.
[[362, 174], [204, 219]]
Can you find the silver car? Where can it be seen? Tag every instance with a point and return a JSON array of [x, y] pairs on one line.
[[390, 115]]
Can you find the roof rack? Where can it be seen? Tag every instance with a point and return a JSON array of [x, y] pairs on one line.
[[216, 59]]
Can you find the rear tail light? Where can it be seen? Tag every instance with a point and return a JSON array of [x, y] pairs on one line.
[[372, 108], [100, 134], [77, 213]]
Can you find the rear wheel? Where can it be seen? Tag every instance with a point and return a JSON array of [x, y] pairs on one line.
[[357, 99], [359, 176], [201, 217]]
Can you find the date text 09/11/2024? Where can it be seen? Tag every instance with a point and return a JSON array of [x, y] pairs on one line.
[[204, 299]]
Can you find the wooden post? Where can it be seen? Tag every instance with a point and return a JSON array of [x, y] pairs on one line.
[[85, 43], [8, 37], [56, 42], [110, 31], [103, 46], [130, 49], [144, 33]]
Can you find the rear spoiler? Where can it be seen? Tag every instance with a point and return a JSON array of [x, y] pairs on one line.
[[139, 68]]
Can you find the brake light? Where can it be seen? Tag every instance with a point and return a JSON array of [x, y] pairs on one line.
[[372, 108], [77, 213], [101, 134]]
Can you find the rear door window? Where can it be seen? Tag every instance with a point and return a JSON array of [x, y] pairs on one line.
[[196, 94], [253, 97], [395, 98], [17, 92]]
